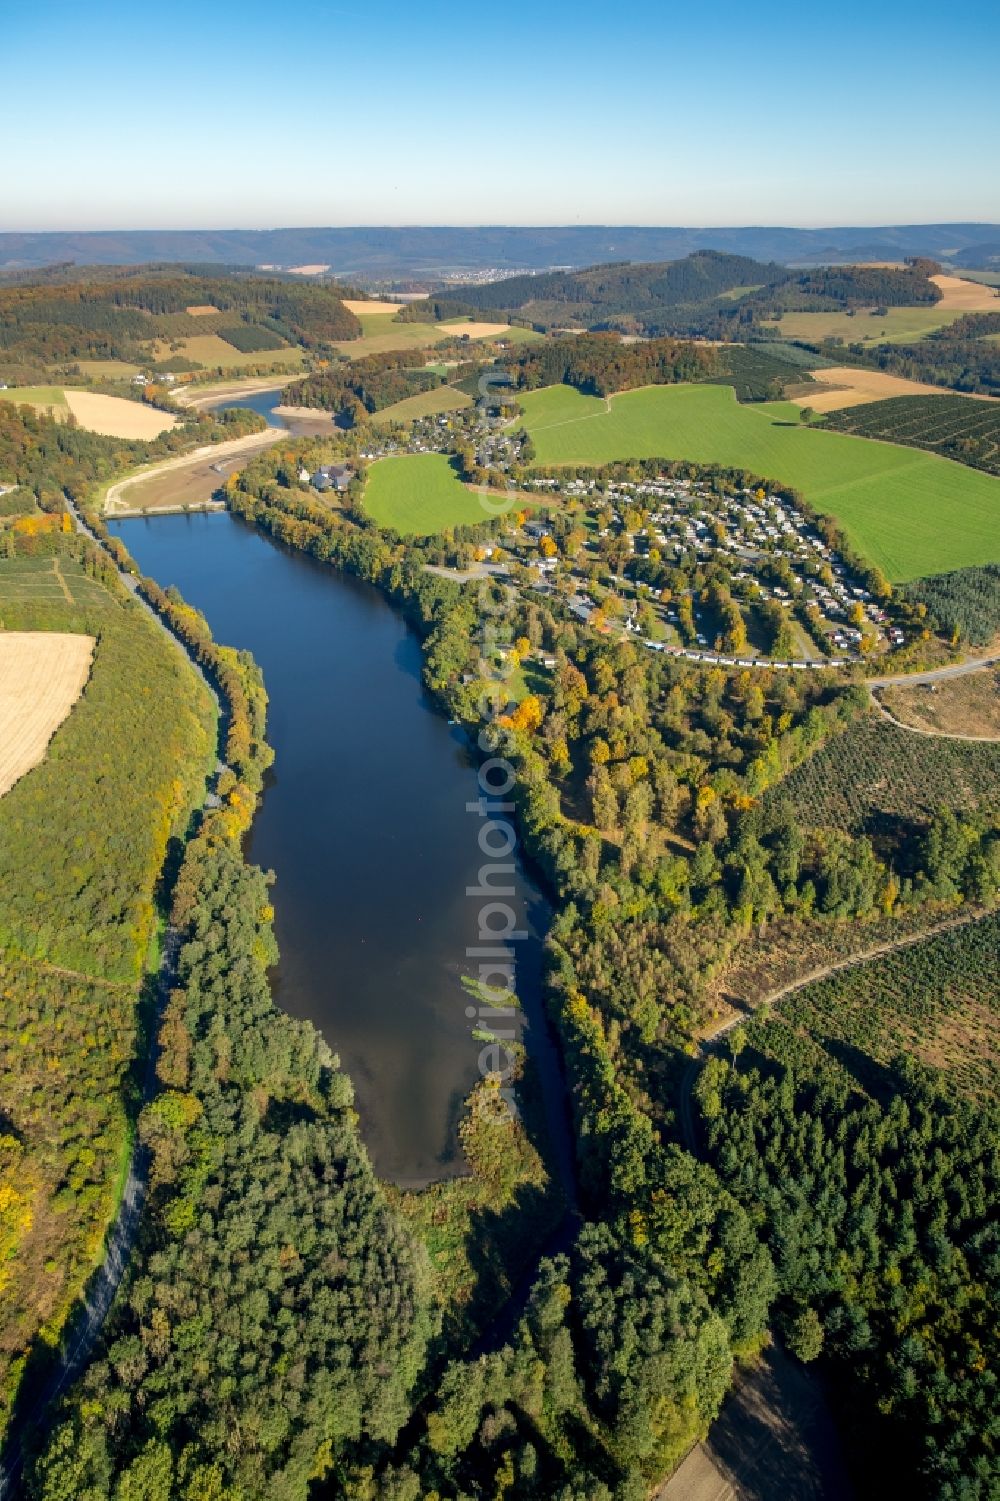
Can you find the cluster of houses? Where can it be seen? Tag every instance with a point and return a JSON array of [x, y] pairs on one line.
[[761, 538], [327, 477]]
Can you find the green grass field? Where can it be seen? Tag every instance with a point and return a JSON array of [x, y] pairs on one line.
[[424, 404], [419, 493], [105, 369], [210, 350], [35, 396], [910, 512], [380, 334], [901, 325]]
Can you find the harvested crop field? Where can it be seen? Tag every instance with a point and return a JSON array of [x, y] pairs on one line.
[[843, 386], [370, 306], [469, 328], [968, 296], [42, 674], [117, 418], [201, 310]]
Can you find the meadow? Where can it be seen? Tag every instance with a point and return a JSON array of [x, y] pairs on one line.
[[911, 513], [380, 334], [419, 493], [36, 396], [425, 404], [898, 325]]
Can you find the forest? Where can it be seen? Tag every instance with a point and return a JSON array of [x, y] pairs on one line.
[[879, 1213], [353, 390], [965, 603], [83, 840], [600, 364], [119, 315], [708, 293]]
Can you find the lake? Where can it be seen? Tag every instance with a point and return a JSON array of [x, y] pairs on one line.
[[364, 822]]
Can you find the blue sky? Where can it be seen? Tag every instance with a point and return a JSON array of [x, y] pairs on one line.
[[217, 114]]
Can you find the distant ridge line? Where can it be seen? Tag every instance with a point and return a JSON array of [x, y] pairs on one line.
[[396, 251]]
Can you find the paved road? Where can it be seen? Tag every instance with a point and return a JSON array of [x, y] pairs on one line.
[[936, 674], [122, 1233]]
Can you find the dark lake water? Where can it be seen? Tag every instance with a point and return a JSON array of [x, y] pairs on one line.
[[365, 824], [263, 402]]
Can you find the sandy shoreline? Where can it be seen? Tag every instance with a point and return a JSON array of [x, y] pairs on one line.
[[319, 414], [212, 453], [205, 396]]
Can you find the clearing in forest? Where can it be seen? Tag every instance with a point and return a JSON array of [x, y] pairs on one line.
[[362, 308], [42, 674], [968, 705], [912, 513]]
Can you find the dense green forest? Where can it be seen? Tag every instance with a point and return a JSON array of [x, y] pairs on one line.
[[965, 603], [708, 293], [600, 364], [83, 839], [119, 315], [280, 1323], [880, 1214], [353, 389], [835, 287]]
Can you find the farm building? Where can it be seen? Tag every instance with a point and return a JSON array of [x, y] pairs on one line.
[[331, 477]]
